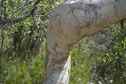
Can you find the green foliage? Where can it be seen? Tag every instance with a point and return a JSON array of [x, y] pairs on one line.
[[111, 67], [81, 67], [23, 48], [17, 72], [107, 67], [23, 45]]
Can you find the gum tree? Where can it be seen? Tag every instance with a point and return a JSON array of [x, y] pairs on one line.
[[69, 23]]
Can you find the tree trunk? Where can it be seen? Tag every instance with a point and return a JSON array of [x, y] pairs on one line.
[[58, 64], [69, 23], [58, 69]]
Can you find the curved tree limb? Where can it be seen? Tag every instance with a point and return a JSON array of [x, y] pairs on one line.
[[72, 21]]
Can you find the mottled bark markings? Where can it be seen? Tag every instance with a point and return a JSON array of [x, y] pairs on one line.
[[116, 9], [90, 11], [57, 57], [72, 12]]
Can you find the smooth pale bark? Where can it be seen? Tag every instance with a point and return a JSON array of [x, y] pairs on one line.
[[70, 22], [58, 64]]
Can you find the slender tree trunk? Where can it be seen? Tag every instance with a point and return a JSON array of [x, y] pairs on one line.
[[58, 68], [58, 64]]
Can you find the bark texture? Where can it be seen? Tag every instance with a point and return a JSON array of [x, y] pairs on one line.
[[70, 22]]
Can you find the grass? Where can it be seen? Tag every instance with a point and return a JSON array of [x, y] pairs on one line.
[[17, 71], [31, 71]]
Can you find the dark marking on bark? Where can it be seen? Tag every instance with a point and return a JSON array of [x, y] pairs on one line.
[[90, 12], [122, 24], [116, 0]]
